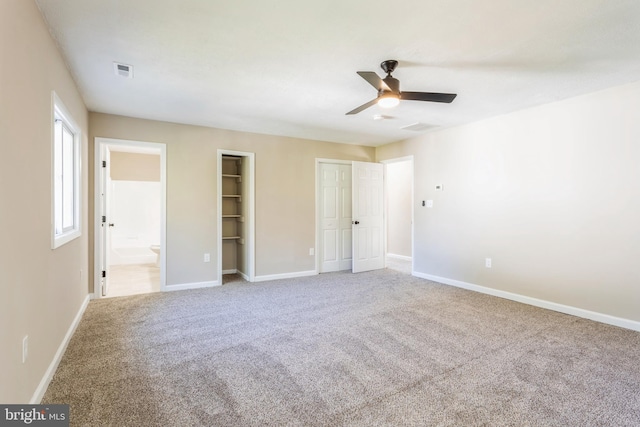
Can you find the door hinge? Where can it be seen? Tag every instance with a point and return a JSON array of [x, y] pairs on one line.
[[104, 163], [104, 273], [104, 219]]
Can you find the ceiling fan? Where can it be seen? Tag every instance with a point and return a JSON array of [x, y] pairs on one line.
[[389, 94]]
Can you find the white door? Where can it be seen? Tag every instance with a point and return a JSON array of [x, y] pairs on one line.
[[105, 220], [368, 220], [335, 217]]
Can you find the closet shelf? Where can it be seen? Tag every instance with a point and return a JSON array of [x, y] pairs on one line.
[[231, 195], [231, 216], [230, 237]]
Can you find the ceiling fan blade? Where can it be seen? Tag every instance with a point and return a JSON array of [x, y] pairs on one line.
[[428, 96], [374, 80], [362, 107]]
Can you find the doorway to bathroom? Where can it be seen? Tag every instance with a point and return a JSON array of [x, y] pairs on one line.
[[130, 215]]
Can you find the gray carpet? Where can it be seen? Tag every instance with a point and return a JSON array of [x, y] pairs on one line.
[[368, 349]]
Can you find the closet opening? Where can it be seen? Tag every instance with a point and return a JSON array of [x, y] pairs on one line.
[[235, 216]]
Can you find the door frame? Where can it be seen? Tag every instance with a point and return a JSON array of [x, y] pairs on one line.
[[99, 246], [386, 204], [250, 275]]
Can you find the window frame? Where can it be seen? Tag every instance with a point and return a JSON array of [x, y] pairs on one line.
[[60, 114]]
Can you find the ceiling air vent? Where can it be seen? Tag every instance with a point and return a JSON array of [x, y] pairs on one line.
[[417, 127], [123, 70]]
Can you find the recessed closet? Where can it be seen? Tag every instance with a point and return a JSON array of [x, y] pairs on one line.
[[234, 196]]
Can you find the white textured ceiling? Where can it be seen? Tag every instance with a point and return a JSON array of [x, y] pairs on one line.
[[288, 67]]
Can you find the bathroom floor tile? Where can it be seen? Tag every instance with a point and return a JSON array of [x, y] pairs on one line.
[[133, 279]]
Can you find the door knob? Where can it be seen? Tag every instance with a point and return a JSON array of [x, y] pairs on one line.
[[356, 222], [111, 225]]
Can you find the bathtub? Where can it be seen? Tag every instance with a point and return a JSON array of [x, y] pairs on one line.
[[132, 255]]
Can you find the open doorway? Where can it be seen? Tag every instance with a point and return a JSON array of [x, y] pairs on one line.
[[130, 217], [399, 213]]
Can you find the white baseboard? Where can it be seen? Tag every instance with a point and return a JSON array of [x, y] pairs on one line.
[[48, 375], [231, 271], [194, 285], [244, 276], [285, 275], [402, 257], [567, 309]]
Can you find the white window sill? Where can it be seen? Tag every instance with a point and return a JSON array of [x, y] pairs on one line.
[[65, 238]]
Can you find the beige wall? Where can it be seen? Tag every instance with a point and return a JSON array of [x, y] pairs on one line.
[[551, 194], [285, 192], [134, 166], [398, 176], [41, 290]]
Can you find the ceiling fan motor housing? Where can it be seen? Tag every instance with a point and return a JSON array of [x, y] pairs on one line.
[[394, 84]]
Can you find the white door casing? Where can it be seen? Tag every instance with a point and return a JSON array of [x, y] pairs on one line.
[[335, 217], [105, 230], [249, 201], [102, 182], [368, 219]]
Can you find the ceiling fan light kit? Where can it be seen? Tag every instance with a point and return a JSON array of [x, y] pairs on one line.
[[388, 100], [389, 94]]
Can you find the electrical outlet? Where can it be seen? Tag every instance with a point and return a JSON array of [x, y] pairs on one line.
[[312, 251], [25, 348], [207, 258], [487, 262]]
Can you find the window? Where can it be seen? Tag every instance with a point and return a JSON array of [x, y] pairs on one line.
[[66, 176]]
